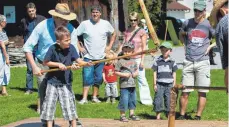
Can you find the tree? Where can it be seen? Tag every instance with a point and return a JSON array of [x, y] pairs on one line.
[[156, 9]]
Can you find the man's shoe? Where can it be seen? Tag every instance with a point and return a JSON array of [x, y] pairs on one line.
[[83, 102], [108, 100], [197, 118], [113, 100], [96, 100], [28, 92], [181, 117]]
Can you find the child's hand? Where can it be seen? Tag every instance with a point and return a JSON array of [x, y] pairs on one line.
[[155, 87], [62, 67], [128, 75], [105, 81], [135, 74], [89, 63], [75, 66]]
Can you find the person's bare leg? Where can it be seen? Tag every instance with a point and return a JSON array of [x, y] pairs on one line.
[[49, 123], [131, 112], [95, 91], [85, 92], [73, 123], [38, 106], [183, 102], [158, 115], [201, 103], [4, 90]]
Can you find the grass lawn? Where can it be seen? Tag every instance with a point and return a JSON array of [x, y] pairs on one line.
[[19, 106]]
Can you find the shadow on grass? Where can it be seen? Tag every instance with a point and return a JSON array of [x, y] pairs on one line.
[[32, 125], [146, 116], [79, 97], [22, 89], [33, 106]]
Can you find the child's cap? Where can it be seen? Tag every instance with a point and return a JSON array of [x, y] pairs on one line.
[[128, 45], [2, 18], [166, 45]]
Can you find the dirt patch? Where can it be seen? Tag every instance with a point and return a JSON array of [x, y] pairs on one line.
[[88, 122]]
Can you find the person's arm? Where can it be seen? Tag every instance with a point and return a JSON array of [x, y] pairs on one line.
[[112, 40], [174, 79], [61, 66], [143, 41], [112, 31], [174, 69], [212, 35], [121, 74], [28, 49], [155, 81], [5, 53], [104, 79]]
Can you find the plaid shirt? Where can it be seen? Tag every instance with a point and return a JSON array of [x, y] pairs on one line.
[[222, 40]]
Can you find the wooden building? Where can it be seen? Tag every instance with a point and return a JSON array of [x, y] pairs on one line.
[[114, 11]]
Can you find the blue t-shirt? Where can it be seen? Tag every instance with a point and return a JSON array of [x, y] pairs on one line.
[[65, 56]]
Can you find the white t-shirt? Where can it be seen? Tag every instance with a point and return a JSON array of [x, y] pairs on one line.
[[95, 37]]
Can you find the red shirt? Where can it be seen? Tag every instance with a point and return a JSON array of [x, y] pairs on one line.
[[109, 72]]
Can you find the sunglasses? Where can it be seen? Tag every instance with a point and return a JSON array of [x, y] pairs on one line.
[[133, 20], [195, 10]]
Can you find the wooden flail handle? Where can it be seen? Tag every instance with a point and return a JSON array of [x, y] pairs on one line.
[[106, 60]]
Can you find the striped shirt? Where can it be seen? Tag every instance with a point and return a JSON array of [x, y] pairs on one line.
[[164, 69], [222, 40], [3, 36]]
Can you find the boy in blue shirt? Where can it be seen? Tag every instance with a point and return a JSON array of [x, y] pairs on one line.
[[59, 85], [164, 79]]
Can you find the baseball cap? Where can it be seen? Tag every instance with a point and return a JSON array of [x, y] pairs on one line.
[[200, 5], [166, 45], [2, 18]]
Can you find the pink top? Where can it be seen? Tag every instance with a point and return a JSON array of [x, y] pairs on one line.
[[137, 41]]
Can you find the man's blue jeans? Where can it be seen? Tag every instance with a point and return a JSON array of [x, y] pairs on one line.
[[29, 75]]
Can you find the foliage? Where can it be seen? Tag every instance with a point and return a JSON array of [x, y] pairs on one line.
[[19, 106], [154, 7]]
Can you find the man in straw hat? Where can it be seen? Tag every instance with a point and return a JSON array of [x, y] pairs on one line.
[[43, 36], [219, 19], [195, 34], [95, 33]]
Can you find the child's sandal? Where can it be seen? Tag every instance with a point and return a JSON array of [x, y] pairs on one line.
[[134, 118], [123, 119]]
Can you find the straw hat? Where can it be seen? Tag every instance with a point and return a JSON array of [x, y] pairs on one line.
[[217, 5], [62, 10]]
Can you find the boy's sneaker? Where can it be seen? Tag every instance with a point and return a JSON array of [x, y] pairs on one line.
[[113, 100], [108, 100], [83, 101], [28, 92], [181, 117], [123, 119], [96, 100], [197, 118], [134, 118]]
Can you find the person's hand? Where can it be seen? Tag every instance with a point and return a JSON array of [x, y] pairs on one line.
[[208, 50], [135, 74], [141, 66], [155, 87], [105, 81], [75, 66], [37, 71], [62, 67], [128, 75], [89, 63], [108, 48], [7, 61]]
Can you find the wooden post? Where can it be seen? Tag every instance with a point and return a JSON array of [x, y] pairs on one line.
[[149, 23], [172, 109]]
